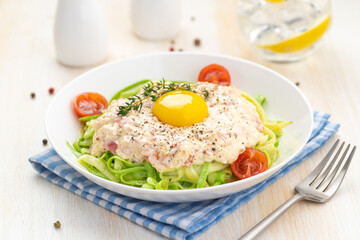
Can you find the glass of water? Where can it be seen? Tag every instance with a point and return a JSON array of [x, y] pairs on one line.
[[284, 30]]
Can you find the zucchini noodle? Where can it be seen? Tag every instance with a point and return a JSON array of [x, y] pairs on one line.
[[272, 129], [142, 174]]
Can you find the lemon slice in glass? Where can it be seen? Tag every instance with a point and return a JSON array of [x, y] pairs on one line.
[[274, 1], [300, 41]]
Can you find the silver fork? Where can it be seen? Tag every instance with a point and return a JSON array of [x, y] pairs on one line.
[[319, 186]]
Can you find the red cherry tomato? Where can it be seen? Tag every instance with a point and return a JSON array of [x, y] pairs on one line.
[[89, 103], [251, 162], [215, 73]]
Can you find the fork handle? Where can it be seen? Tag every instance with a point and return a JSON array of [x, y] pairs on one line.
[[258, 228]]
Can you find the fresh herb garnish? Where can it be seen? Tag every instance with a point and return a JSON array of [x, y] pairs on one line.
[[154, 90], [135, 102]]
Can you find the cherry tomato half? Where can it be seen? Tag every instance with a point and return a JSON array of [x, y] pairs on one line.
[[251, 162], [215, 73], [89, 103]]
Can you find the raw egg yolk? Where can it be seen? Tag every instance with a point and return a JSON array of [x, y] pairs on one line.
[[180, 108]]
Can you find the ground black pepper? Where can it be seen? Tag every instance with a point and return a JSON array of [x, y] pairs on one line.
[[197, 42], [57, 224]]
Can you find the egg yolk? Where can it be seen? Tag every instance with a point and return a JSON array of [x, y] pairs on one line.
[[180, 108]]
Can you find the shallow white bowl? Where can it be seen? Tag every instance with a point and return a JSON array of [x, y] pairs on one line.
[[285, 102]]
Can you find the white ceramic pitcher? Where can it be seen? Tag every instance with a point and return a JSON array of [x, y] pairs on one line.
[[80, 33], [156, 19]]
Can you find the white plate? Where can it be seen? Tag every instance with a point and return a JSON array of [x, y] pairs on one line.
[[285, 102]]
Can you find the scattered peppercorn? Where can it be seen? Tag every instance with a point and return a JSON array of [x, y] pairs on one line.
[[32, 95], [45, 141], [180, 50], [192, 18], [172, 41], [51, 90], [171, 49], [297, 84], [197, 42], [57, 224]]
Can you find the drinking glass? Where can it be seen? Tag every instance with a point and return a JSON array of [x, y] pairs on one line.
[[284, 30]]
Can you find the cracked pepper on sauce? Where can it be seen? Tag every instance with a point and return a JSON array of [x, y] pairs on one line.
[[232, 125]]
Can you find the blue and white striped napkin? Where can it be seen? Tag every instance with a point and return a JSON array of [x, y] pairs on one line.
[[173, 220]]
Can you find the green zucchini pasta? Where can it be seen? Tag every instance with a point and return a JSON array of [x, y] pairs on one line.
[[142, 174]]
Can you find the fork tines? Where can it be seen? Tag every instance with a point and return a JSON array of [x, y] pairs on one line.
[[327, 178]]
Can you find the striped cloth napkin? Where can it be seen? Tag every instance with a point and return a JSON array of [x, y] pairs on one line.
[[173, 220]]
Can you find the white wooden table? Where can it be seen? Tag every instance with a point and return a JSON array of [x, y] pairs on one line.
[[29, 204]]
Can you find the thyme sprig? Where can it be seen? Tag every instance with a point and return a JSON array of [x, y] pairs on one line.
[[135, 102], [154, 90]]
